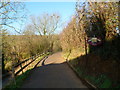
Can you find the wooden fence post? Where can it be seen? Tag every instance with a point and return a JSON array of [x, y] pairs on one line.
[[13, 75], [13, 70], [21, 67], [27, 62]]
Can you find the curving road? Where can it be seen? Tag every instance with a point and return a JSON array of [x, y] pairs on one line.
[[53, 73]]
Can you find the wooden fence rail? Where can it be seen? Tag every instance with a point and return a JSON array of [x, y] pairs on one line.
[[42, 59], [33, 58], [27, 60], [24, 66]]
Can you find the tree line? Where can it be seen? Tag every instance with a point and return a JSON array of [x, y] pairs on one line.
[[99, 19], [94, 19], [38, 36]]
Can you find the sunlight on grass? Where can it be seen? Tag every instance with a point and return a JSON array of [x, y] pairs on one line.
[[21, 77], [74, 53]]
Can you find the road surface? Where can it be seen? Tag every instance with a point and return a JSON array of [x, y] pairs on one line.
[[53, 73]]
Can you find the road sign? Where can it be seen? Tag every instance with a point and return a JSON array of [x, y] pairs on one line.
[[94, 41]]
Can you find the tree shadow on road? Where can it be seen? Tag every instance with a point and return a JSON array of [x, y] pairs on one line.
[[53, 75]]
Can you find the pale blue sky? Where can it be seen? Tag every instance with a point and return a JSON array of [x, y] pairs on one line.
[[65, 9]]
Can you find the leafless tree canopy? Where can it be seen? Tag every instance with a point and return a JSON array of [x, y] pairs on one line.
[[45, 24], [11, 12]]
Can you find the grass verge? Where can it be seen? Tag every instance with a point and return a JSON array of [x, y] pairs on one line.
[[20, 79], [100, 81]]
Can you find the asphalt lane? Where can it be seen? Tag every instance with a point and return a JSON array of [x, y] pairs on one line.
[[53, 73]]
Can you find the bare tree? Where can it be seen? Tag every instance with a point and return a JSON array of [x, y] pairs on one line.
[[11, 12], [46, 24], [29, 30]]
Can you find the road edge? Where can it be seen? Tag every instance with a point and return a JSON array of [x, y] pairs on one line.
[[84, 81]]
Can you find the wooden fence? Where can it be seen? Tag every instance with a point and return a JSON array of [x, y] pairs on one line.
[[23, 64]]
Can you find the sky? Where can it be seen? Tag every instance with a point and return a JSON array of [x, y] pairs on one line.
[[65, 9]]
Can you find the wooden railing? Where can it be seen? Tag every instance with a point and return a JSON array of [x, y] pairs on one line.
[[29, 60], [24, 64]]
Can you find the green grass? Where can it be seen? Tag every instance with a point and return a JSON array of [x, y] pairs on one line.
[[106, 84], [19, 80], [102, 81]]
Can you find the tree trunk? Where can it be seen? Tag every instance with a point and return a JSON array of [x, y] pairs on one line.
[[3, 65]]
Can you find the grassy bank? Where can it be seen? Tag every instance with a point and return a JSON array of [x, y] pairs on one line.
[[99, 72], [20, 78]]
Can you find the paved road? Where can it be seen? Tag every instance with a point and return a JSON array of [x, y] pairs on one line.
[[53, 73]]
